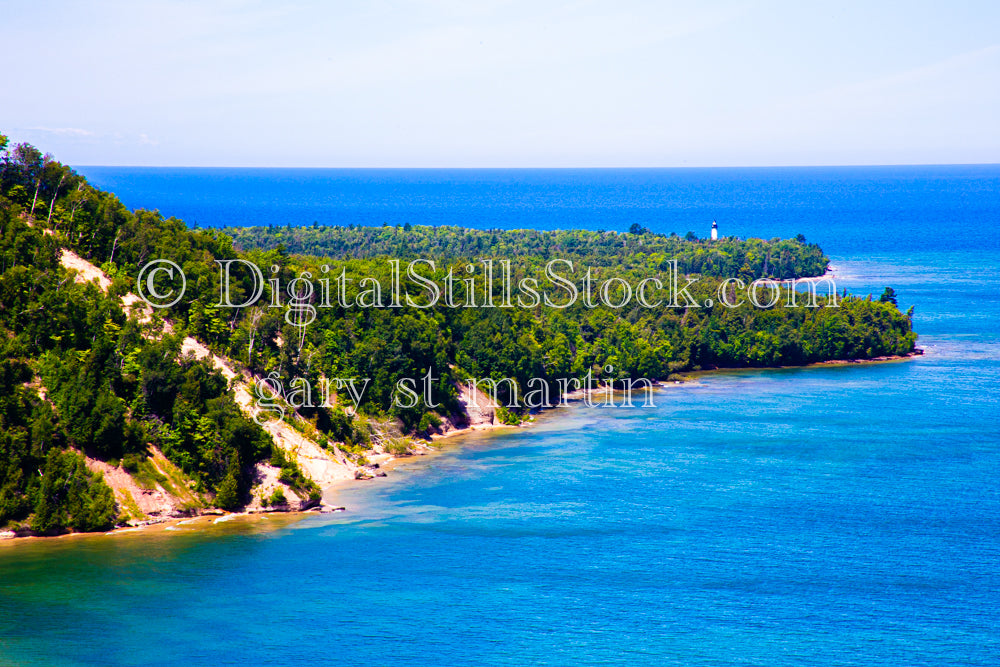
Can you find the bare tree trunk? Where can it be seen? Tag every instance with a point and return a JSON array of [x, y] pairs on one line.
[[114, 246], [81, 200], [255, 314], [38, 184], [52, 205]]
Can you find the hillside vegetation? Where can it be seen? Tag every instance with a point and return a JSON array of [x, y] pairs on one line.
[[80, 379]]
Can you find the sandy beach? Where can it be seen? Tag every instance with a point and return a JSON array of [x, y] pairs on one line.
[[386, 463]]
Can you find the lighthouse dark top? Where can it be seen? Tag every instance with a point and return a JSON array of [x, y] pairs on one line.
[[715, 231]]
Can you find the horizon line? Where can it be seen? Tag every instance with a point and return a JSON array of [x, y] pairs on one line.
[[562, 168]]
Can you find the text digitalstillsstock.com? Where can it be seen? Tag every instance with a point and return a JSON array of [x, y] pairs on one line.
[[486, 284]]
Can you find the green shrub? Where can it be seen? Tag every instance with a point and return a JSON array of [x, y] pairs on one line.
[[227, 496], [428, 421], [508, 417], [397, 447]]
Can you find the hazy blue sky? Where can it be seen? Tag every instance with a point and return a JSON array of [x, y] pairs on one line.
[[495, 83]]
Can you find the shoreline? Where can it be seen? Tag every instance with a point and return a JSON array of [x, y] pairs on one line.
[[199, 523], [885, 359], [212, 517]]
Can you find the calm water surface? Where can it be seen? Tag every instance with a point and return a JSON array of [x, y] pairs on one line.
[[824, 516]]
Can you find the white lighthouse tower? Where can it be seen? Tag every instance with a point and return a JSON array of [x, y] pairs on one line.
[[715, 231]]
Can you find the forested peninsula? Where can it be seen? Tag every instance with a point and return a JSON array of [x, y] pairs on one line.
[[112, 412]]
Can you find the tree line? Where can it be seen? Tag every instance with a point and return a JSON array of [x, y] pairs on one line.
[[79, 376], [638, 248]]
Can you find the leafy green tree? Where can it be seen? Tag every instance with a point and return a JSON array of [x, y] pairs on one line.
[[72, 496], [110, 390], [228, 494]]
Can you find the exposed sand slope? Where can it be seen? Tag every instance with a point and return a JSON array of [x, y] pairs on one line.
[[86, 272], [322, 467], [479, 414], [156, 502]]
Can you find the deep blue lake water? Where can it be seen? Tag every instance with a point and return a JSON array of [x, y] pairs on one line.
[[823, 516]]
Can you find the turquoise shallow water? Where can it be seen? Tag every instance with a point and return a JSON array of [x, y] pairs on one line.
[[823, 516]]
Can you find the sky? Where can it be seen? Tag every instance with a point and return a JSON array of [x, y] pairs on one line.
[[493, 83]]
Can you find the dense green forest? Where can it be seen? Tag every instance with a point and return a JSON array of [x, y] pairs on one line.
[[637, 249], [80, 376]]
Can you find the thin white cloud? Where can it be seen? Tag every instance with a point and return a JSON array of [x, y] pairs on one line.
[[508, 82], [910, 77], [64, 131]]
